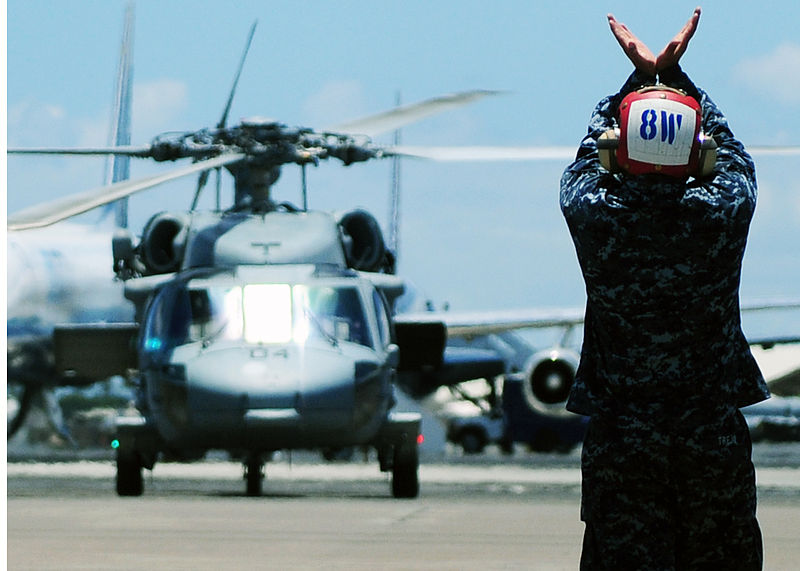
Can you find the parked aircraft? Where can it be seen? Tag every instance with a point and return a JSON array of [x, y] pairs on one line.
[[64, 274], [526, 404]]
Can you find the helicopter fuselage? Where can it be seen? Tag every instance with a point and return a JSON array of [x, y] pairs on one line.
[[263, 331], [262, 358]]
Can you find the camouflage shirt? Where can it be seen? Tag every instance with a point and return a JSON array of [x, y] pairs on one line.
[[661, 259]]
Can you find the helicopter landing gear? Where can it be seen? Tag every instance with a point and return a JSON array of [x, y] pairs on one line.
[[254, 475], [129, 474], [398, 451], [136, 447], [405, 477]]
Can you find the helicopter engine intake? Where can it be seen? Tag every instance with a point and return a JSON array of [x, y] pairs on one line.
[[363, 241], [163, 242], [549, 375]]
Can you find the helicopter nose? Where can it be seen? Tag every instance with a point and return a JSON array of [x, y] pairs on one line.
[[266, 389], [269, 378]]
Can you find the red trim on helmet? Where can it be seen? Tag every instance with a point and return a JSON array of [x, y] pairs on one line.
[[657, 94]]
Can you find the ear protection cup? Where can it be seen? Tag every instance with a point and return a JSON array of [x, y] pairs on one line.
[[608, 143], [607, 149], [707, 157]]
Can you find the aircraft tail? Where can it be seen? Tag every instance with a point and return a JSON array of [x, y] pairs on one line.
[[394, 207], [118, 166]]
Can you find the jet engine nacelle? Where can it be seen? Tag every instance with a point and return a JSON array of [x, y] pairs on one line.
[[163, 242], [363, 241], [549, 375]]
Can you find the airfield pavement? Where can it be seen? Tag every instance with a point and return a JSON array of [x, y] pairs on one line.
[[488, 512]]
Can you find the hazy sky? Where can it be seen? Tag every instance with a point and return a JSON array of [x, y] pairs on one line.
[[482, 235]]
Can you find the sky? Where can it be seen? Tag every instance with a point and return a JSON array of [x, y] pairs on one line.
[[473, 235]]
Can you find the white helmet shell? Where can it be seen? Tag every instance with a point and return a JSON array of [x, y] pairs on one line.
[[659, 132]]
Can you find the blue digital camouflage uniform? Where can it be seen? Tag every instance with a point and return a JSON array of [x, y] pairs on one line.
[[667, 478]]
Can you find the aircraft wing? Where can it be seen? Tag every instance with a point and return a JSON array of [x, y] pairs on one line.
[[477, 323], [769, 341], [425, 337], [473, 324]]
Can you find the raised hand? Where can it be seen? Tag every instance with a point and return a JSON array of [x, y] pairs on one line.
[[636, 50], [672, 52]]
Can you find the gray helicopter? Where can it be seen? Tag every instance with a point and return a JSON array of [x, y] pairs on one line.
[[260, 327]]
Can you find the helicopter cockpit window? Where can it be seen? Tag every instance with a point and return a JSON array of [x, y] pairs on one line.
[[180, 315], [258, 314], [334, 312], [166, 324], [382, 314], [215, 313], [268, 313]]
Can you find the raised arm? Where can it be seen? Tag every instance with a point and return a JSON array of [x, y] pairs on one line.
[[671, 54], [636, 50]]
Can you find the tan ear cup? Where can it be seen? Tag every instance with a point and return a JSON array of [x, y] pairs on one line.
[[607, 149], [708, 155]]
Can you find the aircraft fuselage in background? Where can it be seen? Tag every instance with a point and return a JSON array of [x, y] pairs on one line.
[[60, 274]]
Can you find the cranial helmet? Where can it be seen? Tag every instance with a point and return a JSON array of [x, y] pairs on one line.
[[659, 133]]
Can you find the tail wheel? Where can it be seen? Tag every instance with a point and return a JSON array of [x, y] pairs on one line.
[[405, 477], [129, 475]]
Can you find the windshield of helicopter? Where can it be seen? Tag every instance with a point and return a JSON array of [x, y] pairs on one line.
[[258, 314]]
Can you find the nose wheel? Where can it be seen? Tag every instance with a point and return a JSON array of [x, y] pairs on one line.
[[129, 480], [254, 475]]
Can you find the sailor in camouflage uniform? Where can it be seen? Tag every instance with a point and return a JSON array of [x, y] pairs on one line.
[[668, 482]]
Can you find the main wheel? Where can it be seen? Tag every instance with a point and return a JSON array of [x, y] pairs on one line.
[[405, 478], [254, 476], [129, 475]]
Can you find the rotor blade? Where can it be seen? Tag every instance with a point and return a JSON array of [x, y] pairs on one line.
[[55, 211], [400, 116], [543, 153], [768, 150], [224, 118], [472, 153], [143, 152]]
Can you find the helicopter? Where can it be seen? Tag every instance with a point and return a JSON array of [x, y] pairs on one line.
[[258, 327]]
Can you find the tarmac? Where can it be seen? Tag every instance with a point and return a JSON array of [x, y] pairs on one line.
[[483, 514]]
